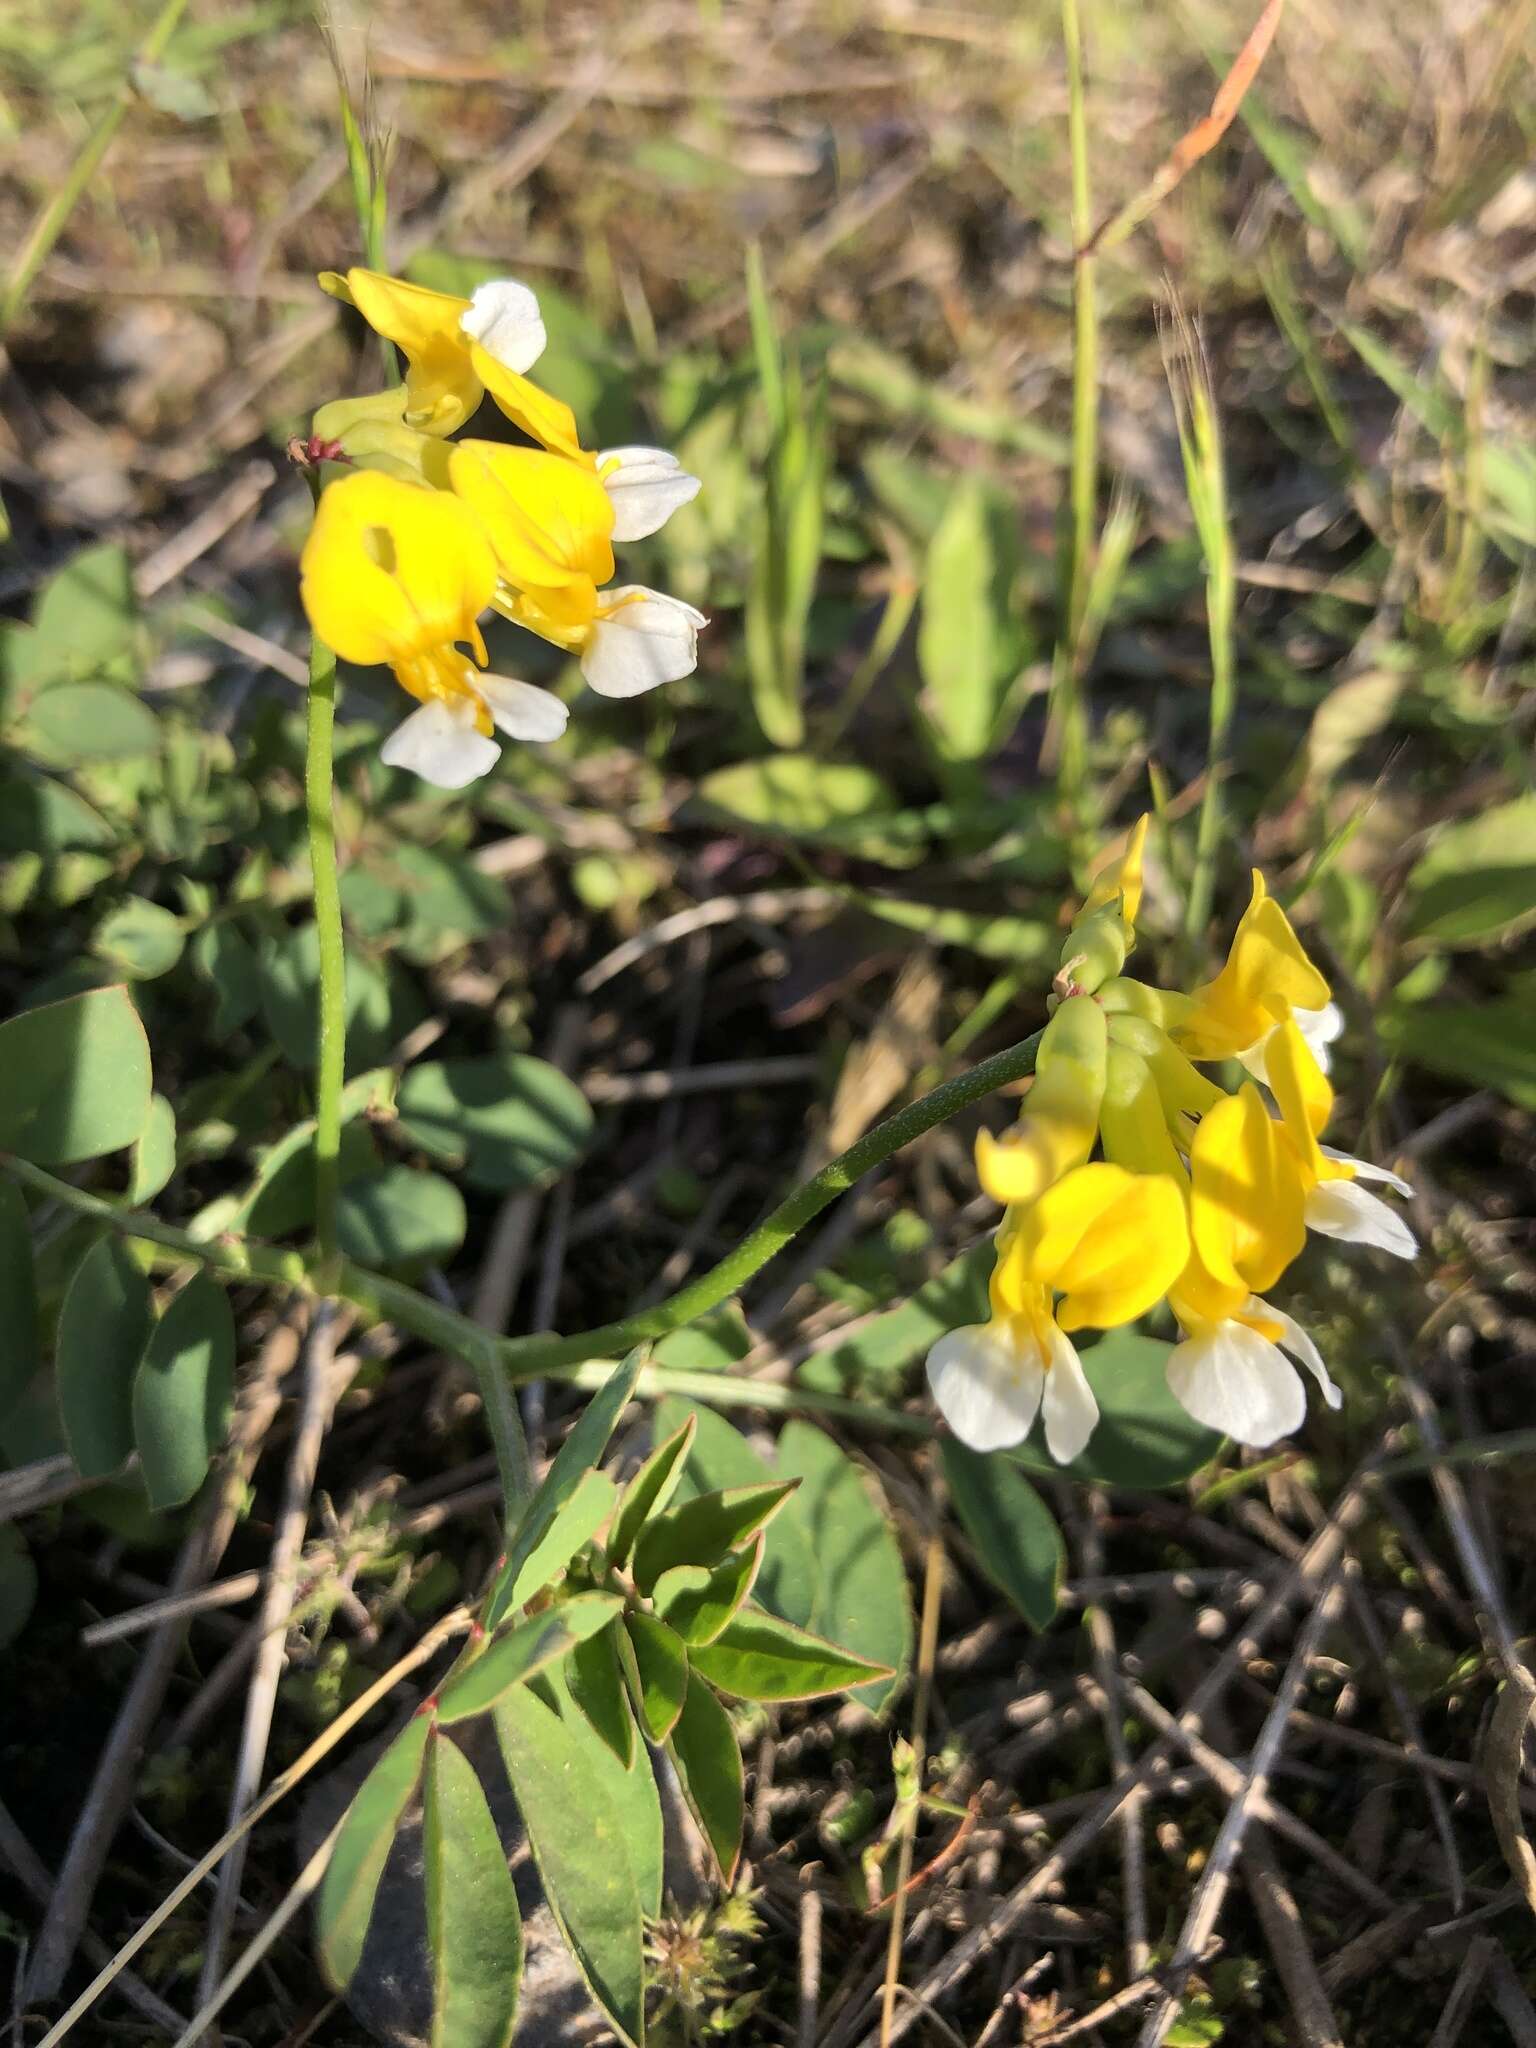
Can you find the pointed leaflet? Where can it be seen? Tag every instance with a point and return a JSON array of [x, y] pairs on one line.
[[661, 1668], [183, 1391], [708, 1759], [722, 1457], [1014, 1532], [362, 1849], [578, 1842], [759, 1657], [865, 1602], [523, 1650], [104, 1326], [574, 1459], [698, 1605], [74, 1078], [704, 1530], [597, 1688], [650, 1490], [633, 1796], [474, 1929], [577, 1523], [18, 1298]]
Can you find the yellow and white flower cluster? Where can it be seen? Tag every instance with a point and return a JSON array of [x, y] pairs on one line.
[[1201, 1197], [419, 536]]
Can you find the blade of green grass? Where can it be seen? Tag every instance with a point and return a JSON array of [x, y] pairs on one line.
[[54, 216]]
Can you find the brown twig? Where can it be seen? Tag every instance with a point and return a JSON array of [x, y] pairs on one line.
[[321, 1389], [112, 1786], [1457, 2009], [1198, 141], [1210, 1893], [1318, 1564], [1228, 1778], [927, 1650], [1106, 1665]]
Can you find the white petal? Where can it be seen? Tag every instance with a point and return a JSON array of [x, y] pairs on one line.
[[503, 316], [641, 638], [1296, 1340], [523, 712], [646, 486], [1320, 1028], [1068, 1409], [1339, 1208], [986, 1390], [1232, 1379], [441, 745], [1364, 1170]]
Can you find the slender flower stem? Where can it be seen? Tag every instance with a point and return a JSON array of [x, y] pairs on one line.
[[384, 1300], [1205, 475], [525, 1357], [331, 1059], [467, 1342], [1069, 712], [1221, 605]]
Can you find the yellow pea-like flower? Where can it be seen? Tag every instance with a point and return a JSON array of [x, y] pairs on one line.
[[397, 572], [549, 520], [1122, 878], [1060, 1119], [1335, 1203], [458, 349], [1109, 1241], [1247, 1196], [1267, 976]]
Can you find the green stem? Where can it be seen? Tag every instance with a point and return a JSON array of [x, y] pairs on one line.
[[54, 217], [331, 1057], [529, 1357], [1221, 617], [524, 1358], [504, 1419], [1070, 710]]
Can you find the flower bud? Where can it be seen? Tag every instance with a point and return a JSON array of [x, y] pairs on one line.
[[1061, 1112], [1095, 950]]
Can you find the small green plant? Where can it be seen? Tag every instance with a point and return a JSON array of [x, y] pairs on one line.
[[696, 1963]]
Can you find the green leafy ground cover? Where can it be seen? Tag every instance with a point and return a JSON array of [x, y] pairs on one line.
[[880, 411]]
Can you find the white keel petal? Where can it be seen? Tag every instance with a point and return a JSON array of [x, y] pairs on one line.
[[645, 486], [1341, 1209], [1068, 1408], [1232, 1379], [503, 316], [641, 639], [986, 1390], [522, 711], [440, 747]]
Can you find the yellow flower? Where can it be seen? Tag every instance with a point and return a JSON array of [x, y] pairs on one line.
[[396, 572], [458, 349], [1109, 1243], [1122, 878], [1335, 1205], [1060, 1118], [1246, 1194], [1134, 1122], [550, 523], [1267, 977]]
